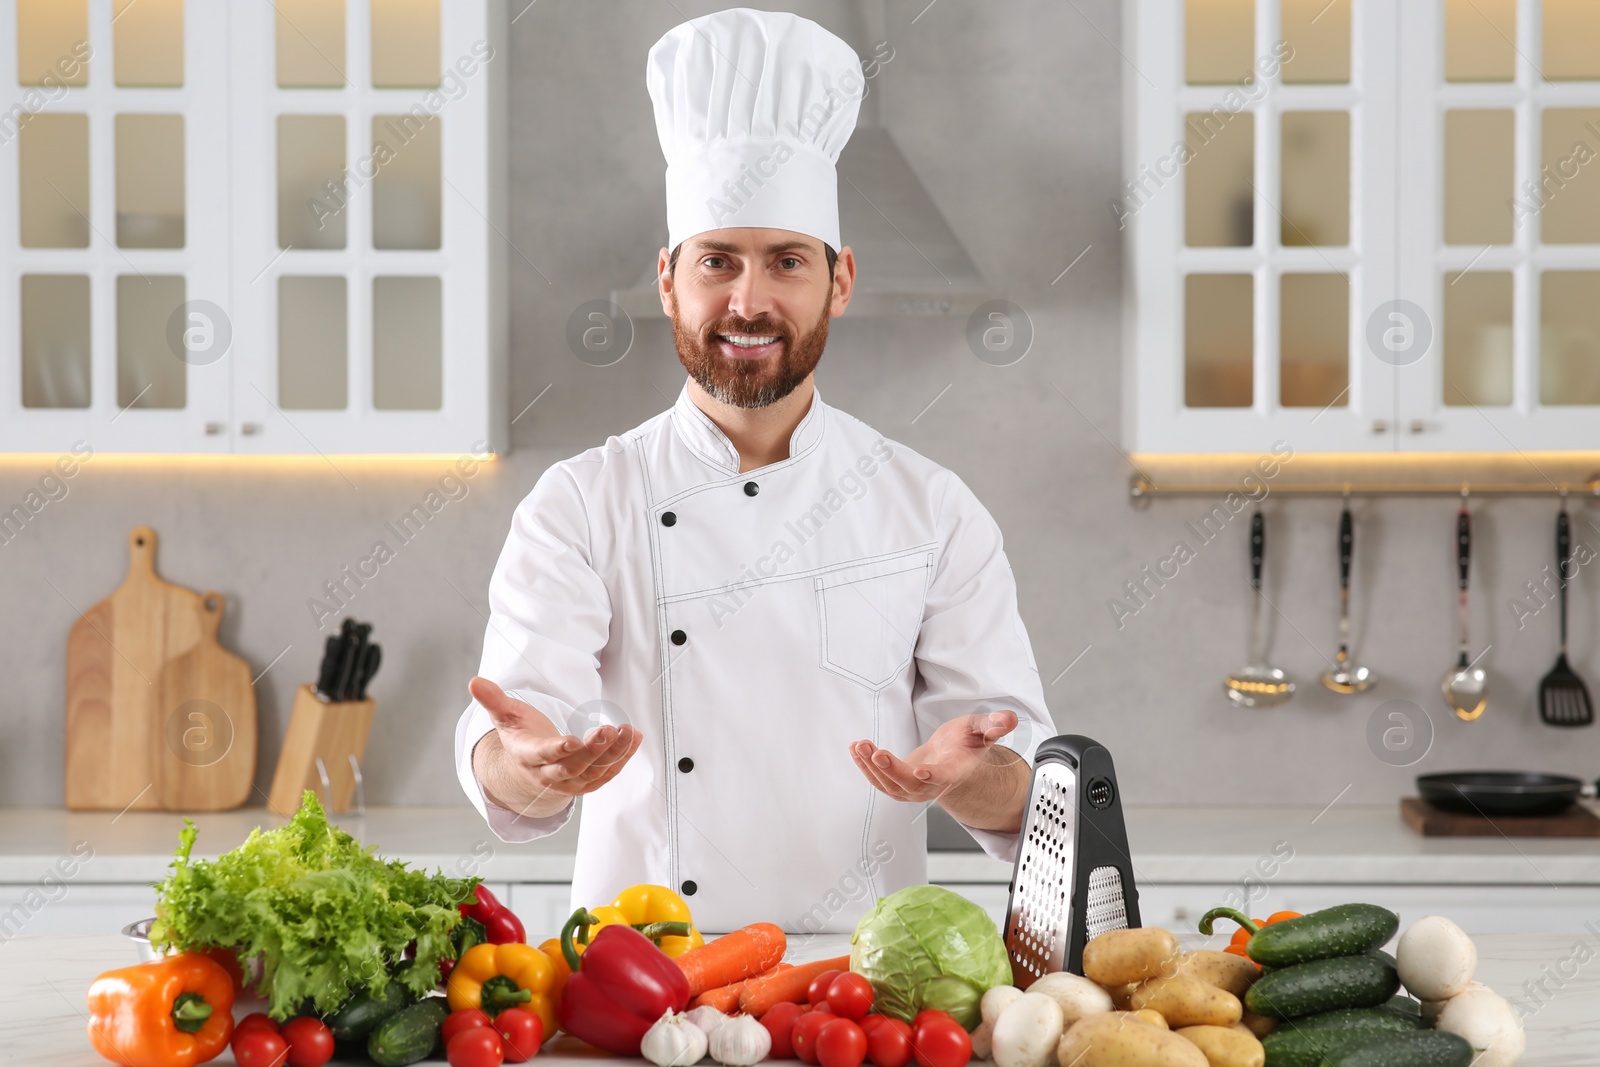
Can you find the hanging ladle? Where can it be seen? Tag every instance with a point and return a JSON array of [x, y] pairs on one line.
[[1257, 685], [1345, 677], [1466, 688]]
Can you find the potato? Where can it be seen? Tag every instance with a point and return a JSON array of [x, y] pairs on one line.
[[1121, 993], [1260, 1025], [1436, 958], [1120, 956], [1221, 969], [1076, 995], [1123, 1041], [1188, 1002], [1154, 1018], [1225, 1047]]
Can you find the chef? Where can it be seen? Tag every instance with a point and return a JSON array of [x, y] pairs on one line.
[[755, 635]]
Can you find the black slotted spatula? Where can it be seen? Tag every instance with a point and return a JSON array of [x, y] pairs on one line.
[[1563, 699]]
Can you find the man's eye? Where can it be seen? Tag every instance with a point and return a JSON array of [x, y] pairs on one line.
[[714, 262], [795, 260]]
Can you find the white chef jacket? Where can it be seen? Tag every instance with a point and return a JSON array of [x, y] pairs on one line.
[[751, 626]]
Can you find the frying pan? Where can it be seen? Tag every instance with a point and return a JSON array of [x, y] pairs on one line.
[[1502, 792]]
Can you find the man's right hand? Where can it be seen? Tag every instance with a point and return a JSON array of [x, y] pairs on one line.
[[532, 768]]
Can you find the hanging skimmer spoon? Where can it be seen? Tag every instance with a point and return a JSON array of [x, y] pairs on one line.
[[1345, 677]]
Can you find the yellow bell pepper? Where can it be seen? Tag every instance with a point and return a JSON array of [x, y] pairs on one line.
[[642, 905], [495, 977], [551, 947]]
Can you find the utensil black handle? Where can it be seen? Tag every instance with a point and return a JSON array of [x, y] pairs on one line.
[[1463, 547], [1347, 541], [1563, 554], [1258, 548]]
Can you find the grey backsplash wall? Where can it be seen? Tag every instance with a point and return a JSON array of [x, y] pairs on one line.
[[1011, 112]]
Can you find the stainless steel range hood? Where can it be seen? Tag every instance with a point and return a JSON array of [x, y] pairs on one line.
[[909, 262]]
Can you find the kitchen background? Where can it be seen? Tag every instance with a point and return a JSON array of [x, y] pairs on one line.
[[1011, 115]]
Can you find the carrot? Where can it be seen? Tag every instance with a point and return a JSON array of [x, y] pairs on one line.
[[760, 995], [725, 998], [733, 957]]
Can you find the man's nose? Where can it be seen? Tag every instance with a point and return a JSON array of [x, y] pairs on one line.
[[751, 296]]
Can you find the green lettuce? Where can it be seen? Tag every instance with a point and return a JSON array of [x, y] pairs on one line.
[[926, 947], [319, 915]]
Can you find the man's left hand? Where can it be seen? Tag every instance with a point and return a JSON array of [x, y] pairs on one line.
[[948, 758]]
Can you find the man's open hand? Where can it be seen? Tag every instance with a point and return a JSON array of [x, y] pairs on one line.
[[948, 759], [530, 766]]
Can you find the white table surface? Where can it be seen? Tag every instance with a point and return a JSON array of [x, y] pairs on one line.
[[44, 982], [1340, 844]]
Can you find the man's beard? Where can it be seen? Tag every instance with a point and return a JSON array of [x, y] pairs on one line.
[[749, 383]]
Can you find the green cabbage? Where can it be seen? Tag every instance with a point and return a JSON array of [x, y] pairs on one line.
[[321, 915], [926, 947]]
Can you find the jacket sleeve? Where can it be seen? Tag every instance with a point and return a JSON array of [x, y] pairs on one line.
[[549, 619], [973, 653]]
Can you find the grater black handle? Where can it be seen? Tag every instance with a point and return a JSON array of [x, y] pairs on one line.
[[1347, 540], [1258, 548]]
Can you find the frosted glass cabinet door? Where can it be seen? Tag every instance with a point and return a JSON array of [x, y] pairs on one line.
[[365, 187], [115, 290]]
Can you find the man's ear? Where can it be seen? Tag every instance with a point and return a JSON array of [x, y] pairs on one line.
[[664, 281], [844, 281]]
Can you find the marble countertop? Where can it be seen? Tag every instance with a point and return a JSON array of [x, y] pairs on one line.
[[44, 982], [1339, 844]]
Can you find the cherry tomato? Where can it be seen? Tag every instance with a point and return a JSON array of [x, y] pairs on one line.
[[841, 1044], [940, 1041], [929, 1013], [521, 1034], [465, 1019], [476, 1046], [310, 1041], [850, 995], [260, 1047], [870, 1021], [254, 1021], [779, 1021], [889, 1042], [806, 1029], [818, 992]]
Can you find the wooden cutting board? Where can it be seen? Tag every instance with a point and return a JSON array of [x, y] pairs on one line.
[[207, 706], [115, 653], [1429, 821]]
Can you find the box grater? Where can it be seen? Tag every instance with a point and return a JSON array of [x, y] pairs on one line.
[[1073, 876]]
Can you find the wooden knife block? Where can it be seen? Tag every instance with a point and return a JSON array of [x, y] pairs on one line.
[[334, 731]]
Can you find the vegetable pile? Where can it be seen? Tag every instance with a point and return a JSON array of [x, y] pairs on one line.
[[321, 916]]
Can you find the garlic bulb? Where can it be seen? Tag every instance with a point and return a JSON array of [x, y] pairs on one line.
[[706, 1018], [740, 1041], [674, 1041]]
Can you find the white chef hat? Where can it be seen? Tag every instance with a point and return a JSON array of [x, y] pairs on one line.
[[752, 108]]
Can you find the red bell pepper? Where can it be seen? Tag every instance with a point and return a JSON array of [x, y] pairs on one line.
[[499, 922], [619, 987]]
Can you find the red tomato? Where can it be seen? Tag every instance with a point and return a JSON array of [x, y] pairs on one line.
[[260, 1047], [818, 992], [841, 1044], [779, 1021], [869, 1021], [310, 1041], [521, 1034], [929, 1013], [465, 1019], [806, 1029], [255, 1020], [889, 1042], [476, 1046], [850, 995], [940, 1041]]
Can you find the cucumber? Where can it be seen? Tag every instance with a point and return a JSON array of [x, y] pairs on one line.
[[1323, 985], [1386, 957], [1343, 930], [1305, 1041], [408, 1035], [361, 1014], [1409, 1005], [1423, 1048]]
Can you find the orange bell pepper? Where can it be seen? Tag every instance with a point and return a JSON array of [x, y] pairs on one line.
[[495, 977], [1241, 937], [172, 1012]]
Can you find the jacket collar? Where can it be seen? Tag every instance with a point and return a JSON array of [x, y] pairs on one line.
[[695, 429]]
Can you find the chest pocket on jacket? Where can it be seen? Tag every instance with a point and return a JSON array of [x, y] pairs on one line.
[[869, 615]]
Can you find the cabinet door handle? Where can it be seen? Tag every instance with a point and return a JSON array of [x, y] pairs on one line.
[[1418, 426], [1380, 425], [250, 429], [213, 428]]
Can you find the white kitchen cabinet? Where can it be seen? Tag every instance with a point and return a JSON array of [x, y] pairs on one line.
[[543, 907], [262, 229], [1296, 167]]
